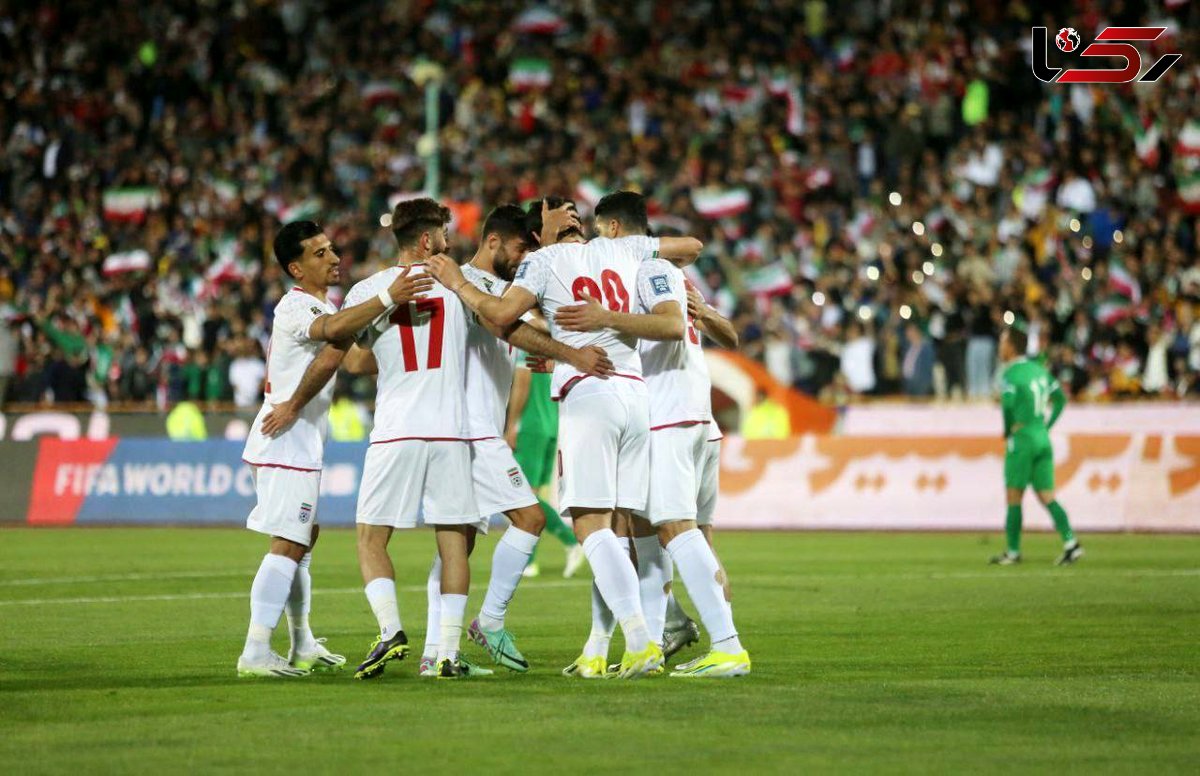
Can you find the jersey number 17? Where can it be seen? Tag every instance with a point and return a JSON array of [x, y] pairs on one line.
[[423, 312]]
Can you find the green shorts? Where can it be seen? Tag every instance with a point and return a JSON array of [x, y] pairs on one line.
[[1029, 460], [535, 452]]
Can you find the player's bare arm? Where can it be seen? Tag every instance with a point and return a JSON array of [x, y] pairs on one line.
[[323, 367], [591, 360], [710, 322], [557, 221], [345, 323], [680, 251], [502, 311], [360, 361], [518, 397], [664, 322]]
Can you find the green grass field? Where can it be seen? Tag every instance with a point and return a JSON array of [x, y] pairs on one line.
[[872, 652]]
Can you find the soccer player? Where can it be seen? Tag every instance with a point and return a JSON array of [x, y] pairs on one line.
[[1027, 390], [285, 454], [680, 419], [420, 454], [604, 423], [532, 433], [500, 486]]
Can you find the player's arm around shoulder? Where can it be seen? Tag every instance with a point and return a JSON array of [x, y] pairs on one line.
[[405, 287], [501, 311]]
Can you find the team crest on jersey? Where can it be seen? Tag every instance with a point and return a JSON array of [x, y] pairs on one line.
[[305, 511], [488, 282], [514, 476], [660, 284], [316, 311]]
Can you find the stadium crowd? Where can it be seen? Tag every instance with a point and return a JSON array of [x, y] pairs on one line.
[[880, 190]]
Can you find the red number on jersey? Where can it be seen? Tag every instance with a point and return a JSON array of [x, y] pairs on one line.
[[614, 295], [692, 335], [403, 318]]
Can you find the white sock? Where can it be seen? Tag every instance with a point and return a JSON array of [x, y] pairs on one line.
[[381, 594], [618, 584], [299, 604], [433, 612], [454, 607], [700, 572], [676, 616], [509, 560], [268, 595], [603, 624], [654, 572]]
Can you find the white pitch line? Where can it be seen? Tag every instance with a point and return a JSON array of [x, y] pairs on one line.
[[122, 599], [121, 577]]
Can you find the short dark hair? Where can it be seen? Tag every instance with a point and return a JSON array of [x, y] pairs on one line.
[[533, 214], [287, 242], [1019, 339], [413, 217], [628, 207], [506, 221]]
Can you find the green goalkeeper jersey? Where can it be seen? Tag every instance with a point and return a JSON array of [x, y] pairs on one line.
[[1028, 391]]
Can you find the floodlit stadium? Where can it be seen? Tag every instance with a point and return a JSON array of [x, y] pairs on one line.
[[568, 386]]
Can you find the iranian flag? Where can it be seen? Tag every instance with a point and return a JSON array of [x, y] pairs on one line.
[[530, 73], [376, 92], [126, 261], [769, 280], [587, 194], [782, 85], [304, 210], [1188, 143], [540, 21], [130, 204], [1188, 185], [1124, 294], [1145, 143], [661, 222], [716, 202]]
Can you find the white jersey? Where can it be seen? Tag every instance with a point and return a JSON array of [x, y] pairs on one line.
[[290, 352], [558, 275], [676, 372], [421, 351], [490, 366]]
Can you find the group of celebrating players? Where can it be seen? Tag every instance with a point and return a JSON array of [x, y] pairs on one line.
[[638, 454]]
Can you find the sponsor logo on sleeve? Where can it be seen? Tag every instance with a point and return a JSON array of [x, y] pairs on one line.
[[660, 284], [522, 269]]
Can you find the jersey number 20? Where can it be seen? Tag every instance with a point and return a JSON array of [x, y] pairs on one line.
[[615, 297], [405, 320]]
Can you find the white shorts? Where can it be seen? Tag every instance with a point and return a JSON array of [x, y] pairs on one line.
[[404, 480], [287, 502], [500, 484], [710, 480], [603, 445], [676, 465]]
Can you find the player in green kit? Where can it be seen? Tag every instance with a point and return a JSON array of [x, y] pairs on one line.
[[1027, 390], [532, 432]]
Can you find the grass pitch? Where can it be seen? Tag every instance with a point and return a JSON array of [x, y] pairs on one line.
[[872, 652]]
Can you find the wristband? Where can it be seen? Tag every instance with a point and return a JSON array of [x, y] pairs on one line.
[[386, 299]]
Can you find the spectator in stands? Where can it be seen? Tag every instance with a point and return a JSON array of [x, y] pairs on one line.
[[136, 192], [246, 374], [918, 362], [858, 359]]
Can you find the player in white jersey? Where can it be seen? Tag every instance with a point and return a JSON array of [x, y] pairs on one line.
[[500, 485], [285, 455], [680, 418], [603, 423]]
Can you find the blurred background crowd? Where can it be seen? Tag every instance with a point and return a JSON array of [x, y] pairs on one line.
[[881, 186]]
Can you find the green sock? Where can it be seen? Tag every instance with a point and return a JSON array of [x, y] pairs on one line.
[[1012, 528], [1061, 524], [556, 526]]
